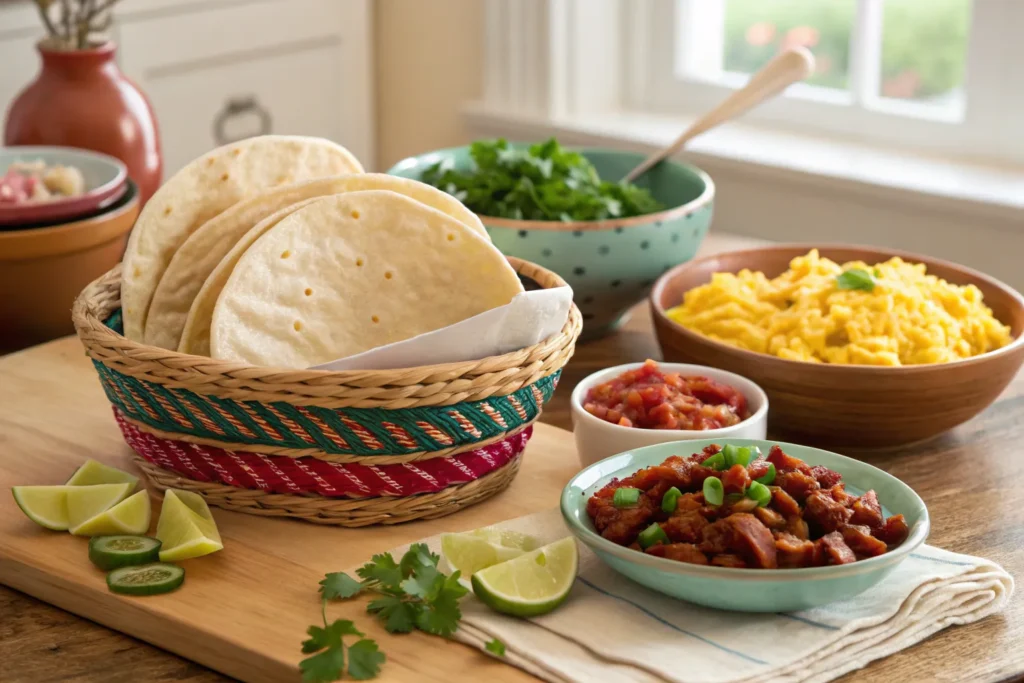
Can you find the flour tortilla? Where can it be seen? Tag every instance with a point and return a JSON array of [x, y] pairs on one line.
[[197, 258], [352, 272], [205, 188], [194, 336]]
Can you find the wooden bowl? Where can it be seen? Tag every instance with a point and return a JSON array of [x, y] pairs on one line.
[[42, 270], [849, 405]]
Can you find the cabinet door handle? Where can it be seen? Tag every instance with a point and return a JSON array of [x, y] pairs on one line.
[[240, 106]]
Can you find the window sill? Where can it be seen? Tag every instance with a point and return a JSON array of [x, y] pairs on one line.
[[993, 192]]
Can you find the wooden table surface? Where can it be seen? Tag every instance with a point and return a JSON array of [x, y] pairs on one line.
[[970, 479]]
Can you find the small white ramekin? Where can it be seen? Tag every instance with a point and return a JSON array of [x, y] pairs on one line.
[[597, 439]]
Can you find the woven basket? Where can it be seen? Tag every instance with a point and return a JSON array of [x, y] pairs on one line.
[[307, 443]]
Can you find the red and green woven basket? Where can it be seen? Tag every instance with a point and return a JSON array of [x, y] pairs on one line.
[[349, 448]]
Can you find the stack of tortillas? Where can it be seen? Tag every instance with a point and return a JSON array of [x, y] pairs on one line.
[[280, 251]]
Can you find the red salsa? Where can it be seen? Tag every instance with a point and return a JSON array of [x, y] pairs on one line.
[[651, 399]]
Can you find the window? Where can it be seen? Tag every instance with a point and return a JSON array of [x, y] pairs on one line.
[[940, 75]]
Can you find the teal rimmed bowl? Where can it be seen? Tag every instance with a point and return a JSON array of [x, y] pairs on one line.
[[610, 264], [747, 590]]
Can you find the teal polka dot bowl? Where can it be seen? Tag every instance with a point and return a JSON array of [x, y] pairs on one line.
[[610, 264]]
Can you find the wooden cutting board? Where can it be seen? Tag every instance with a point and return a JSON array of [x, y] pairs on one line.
[[243, 611]]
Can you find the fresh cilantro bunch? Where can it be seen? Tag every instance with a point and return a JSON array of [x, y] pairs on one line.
[[542, 182], [410, 594]]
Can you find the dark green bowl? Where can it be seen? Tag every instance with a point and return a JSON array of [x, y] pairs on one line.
[[610, 264]]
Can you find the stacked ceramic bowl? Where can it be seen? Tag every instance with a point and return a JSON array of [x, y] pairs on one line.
[[65, 215]]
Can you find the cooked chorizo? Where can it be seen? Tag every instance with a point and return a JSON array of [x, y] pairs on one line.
[[824, 514], [810, 519], [752, 541]]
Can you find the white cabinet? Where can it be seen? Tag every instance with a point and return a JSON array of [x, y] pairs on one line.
[[220, 70]]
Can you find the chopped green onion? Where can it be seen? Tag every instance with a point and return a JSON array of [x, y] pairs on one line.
[[731, 454], [769, 476], [759, 492], [670, 500], [651, 535], [625, 497], [733, 498], [715, 462], [746, 455], [714, 492]]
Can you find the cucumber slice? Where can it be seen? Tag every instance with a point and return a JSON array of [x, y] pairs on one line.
[[112, 552], [146, 579]]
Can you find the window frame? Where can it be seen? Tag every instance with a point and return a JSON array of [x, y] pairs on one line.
[[994, 89]]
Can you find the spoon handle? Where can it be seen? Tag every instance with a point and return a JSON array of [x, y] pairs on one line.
[[786, 68]]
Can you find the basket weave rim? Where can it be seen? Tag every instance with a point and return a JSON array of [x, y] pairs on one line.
[[531, 270], [440, 384]]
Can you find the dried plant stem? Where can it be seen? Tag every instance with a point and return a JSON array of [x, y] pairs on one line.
[[44, 13], [65, 7], [78, 21]]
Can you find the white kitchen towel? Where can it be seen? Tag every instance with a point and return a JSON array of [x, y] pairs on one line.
[[613, 630]]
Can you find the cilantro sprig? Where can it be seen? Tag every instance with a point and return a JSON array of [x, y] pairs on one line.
[[542, 182], [328, 653], [409, 594]]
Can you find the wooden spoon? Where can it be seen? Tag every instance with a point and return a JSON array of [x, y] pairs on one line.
[[786, 68]]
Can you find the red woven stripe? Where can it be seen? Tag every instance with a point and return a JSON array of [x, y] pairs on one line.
[[281, 474]]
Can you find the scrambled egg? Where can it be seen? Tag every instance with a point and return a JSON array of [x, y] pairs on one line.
[[907, 318]]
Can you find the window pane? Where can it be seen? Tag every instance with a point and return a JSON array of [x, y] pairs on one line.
[[755, 30], [924, 50]]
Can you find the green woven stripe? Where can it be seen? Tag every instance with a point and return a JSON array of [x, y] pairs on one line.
[[206, 421]]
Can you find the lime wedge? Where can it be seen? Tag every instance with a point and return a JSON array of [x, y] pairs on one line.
[[130, 516], [45, 505], [186, 527], [472, 551], [92, 472], [85, 502], [531, 584]]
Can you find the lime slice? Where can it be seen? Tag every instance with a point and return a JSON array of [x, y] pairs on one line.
[[186, 527], [472, 551], [45, 505], [531, 584], [130, 516], [85, 502], [92, 472]]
